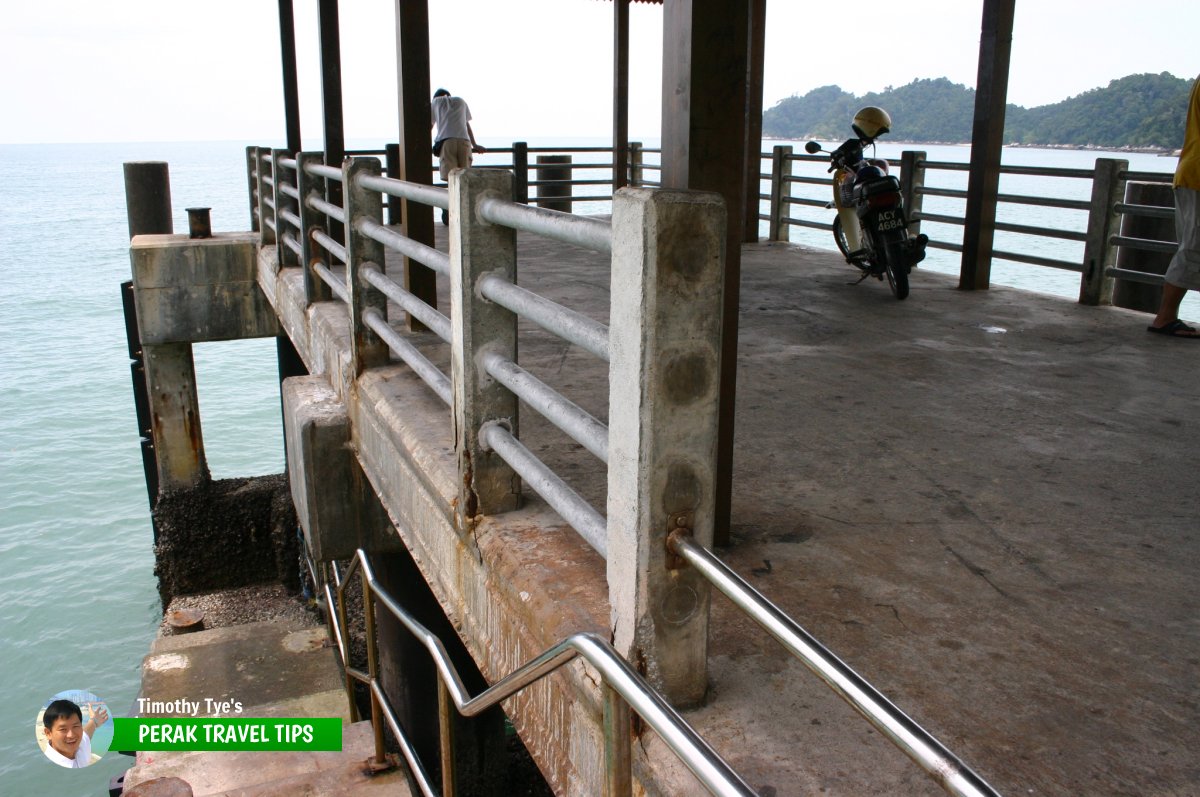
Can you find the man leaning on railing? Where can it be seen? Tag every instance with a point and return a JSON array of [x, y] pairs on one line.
[[453, 138]]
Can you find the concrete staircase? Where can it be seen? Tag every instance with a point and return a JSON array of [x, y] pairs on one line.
[[274, 669]]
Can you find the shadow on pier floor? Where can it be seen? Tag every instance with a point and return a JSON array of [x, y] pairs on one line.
[[984, 502]]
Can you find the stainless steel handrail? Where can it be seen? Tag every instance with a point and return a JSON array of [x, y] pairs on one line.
[[946, 768], [622, 689]]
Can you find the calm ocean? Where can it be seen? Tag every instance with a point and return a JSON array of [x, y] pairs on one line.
[[78, 602]]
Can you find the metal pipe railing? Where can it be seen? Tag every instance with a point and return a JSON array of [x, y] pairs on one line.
[[426, 255], [420, 364], [328, 208], [429, 316], [580, 425], [321, 170], [578, 230], [335, 283], [425, 194], [590, 524], [946, 768], [571, 326], [330, 245], [695, 753]]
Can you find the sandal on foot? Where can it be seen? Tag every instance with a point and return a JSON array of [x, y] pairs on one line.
[[1175, 329]]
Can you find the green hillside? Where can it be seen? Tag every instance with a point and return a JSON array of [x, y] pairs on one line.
[[1138, 111]]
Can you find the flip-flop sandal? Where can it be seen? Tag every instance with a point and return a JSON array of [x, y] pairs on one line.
[[1175, 329]]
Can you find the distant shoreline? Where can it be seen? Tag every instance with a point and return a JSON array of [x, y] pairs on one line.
[[1164, 152]]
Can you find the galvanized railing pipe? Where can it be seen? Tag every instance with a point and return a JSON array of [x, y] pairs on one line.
[[288, 163], [590, 524], [333, 247], [293, 243], [425, 194], [290, 217], [580, 425], [335, 283], [695, 753], [951, 773], [563, 227], [328, 208], [571, 326], [321, 170], [426, 255], [1146, 211], [420, 364], [290, 190], [427, 315]]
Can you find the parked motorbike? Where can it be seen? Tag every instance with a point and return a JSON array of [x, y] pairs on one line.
[[871, 228]]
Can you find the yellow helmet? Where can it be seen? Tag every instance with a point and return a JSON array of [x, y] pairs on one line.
[[871, 122]]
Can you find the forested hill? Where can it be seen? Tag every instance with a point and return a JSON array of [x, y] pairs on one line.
[[1138, 111]]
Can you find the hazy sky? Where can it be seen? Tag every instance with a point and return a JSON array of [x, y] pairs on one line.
[[164, 70]]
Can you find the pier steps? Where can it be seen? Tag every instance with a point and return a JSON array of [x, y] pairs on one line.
[[274, 669]]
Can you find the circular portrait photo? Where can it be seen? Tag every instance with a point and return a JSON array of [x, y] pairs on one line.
[[74, 729]]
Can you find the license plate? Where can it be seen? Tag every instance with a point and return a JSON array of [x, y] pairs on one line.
[[889, 220]]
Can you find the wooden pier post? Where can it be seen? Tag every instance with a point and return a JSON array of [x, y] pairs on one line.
[[558, 168]]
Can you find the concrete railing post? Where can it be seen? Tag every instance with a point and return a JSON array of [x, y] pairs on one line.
[[1096, 286], [1139, 295], [488, 485], [315, 289], [369, 350], [636, 157], [266, 195], [664, 343], [286, 257], [912, 182], [252, 185], [521, 172], [556, 170], [781, 169]]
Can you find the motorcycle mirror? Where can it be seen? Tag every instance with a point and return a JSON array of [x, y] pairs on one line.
[[812, 147]]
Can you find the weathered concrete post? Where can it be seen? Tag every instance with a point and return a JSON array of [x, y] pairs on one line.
[[636, 158], [555, 169], [366, 301], [489, 485], [148, 198], [1095, 286], [283, 204], [170, 373], [266, 197], [252, 185], [1157, 227], [315, 289], [781, 170], [395, 207], [665, 344], [912, 182]]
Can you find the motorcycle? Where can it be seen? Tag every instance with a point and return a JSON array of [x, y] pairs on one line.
[[871, 228]]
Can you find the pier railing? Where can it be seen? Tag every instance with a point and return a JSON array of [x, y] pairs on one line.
[[621, 686], [661, 344], [1094, 222]]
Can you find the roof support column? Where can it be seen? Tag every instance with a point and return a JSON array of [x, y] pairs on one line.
[[331, 102], [416, 140], [704, 131], [291, 91], [757, 30], [987, 142], [620, 93]]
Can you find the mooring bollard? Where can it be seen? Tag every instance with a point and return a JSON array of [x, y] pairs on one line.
[[555, 170]]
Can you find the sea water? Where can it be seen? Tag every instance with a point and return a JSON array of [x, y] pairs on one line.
[[78, 599]]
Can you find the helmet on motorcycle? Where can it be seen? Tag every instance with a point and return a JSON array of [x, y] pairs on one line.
[[868, 173], [871, 122]]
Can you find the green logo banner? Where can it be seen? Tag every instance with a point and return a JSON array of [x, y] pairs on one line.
[[226, 733]]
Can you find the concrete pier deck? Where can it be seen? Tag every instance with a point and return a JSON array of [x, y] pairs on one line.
[[984, 502]]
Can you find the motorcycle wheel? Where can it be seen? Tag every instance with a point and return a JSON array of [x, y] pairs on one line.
[[897, 276], [839, 237]]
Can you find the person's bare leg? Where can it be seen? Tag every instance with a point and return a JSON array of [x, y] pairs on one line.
[[1168, 310]]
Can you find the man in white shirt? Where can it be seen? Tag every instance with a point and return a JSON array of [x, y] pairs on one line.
[[453, 138], [68, 739]]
